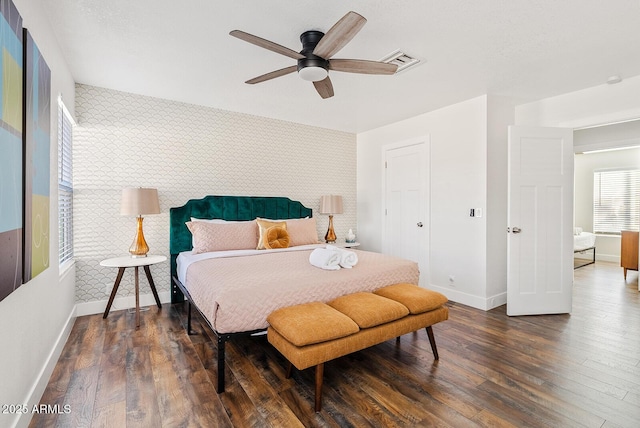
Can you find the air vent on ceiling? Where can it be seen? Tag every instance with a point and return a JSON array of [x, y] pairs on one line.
[[401, 59]]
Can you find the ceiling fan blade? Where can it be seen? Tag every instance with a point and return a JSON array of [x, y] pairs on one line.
[[266, 44], [362, 66], [273, 75], [324, 87], [339, 35]]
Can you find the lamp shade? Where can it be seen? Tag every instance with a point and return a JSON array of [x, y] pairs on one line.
[[331, 204], [139, 201]]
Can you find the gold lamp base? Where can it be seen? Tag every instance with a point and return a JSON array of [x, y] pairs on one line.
[[330, 237], [139, 247]]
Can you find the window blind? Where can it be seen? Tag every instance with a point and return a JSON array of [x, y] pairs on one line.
[[616, 201], [65, 184]]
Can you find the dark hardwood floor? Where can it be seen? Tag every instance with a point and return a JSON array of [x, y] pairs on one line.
[[572, 370]]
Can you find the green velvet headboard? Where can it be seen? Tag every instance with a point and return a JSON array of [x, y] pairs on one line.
[[225, 208]]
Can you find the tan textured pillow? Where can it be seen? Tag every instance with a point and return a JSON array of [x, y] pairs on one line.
[[277, 237], [416, 299], [368, 309], [263, 225], [302, 231], [311, 323], [220, 237]]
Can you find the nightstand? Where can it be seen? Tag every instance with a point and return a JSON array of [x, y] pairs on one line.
[[123, 263]]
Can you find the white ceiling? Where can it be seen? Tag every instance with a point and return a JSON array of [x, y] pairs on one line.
[[181, 50]]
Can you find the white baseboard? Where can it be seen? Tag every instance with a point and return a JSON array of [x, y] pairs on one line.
[[599, 257], [608, 258], [119, 303], [42, 380], [483, 303]]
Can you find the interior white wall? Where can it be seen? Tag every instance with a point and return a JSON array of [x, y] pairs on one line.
[[607, 247], [458, 171], [36, 318], [623, 134], [598, 105], [187, 151]]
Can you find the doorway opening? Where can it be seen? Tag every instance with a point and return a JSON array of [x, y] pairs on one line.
[[600, 150]]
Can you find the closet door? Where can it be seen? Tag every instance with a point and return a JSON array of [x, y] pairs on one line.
[[406, 222]]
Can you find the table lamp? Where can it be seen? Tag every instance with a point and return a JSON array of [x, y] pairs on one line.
[[139, 201], [330, 204]]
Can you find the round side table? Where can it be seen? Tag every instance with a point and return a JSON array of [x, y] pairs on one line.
[[135, 262]]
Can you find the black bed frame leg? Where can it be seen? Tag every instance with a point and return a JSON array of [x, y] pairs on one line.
[[221, 343], [189, 331], [432, 341]]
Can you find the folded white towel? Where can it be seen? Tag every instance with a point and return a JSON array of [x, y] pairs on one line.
[[348, 259], [325, 259]]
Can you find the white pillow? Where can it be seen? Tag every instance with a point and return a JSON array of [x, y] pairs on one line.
[[285, 219], [214, 220]]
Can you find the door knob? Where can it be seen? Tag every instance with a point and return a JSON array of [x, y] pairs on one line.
[[516, 230], [419, 224]]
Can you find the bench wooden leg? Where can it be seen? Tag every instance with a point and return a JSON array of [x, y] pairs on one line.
[[319, 375], [432, 341]]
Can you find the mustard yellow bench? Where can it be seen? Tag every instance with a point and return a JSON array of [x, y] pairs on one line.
[[312, 333]]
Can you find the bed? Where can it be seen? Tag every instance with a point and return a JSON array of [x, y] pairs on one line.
[[235, 289], [583, 242]]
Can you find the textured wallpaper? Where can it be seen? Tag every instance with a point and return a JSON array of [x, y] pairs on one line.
[[188, 151]]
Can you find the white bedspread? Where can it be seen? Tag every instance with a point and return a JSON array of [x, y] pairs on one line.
[[583, 241]]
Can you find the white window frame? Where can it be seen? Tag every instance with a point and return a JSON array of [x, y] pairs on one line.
[[65, 185], [616, 200]]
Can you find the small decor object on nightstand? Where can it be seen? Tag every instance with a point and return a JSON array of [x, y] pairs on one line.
[[330, 204], [351, 237], [139, 201]]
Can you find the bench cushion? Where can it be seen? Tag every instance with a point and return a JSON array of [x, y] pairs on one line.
[[311, 355], [368, 309], [311, 323], [416, 298]]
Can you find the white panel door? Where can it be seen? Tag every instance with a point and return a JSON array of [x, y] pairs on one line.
[[406, 225], [540, 221]]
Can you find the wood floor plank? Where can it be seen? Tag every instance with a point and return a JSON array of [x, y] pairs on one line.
[[80, 397], [581, 370], [111, 415], [92, 343], [112, 378], [261, 393], [142, 400]]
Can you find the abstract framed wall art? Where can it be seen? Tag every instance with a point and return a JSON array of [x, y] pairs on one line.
[[11, 148], [37, 121]]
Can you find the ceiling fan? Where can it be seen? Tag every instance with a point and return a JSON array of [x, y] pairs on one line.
[[315, 59]]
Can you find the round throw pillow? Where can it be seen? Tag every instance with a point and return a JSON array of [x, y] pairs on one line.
[[277, 237]]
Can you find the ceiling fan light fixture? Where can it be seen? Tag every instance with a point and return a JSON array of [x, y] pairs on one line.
[[313, 73]]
